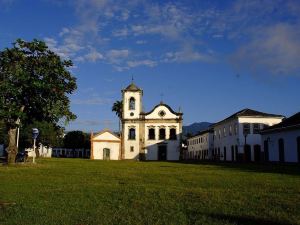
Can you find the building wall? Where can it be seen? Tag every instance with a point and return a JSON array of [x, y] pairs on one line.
[[173, 146], [137, 95], [106, 140], [238, 138], [99, 146], [290, 145], [200, 146], [130, 145]]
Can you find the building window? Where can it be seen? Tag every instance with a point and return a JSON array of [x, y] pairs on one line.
[[132, 103], [235, 129], [162, 133], [224, 132], [246, 128], [219, 134], [256, 128], [173, 135], [151, 135], [131, 134], [281, 150], [230, 130], [131, 149]]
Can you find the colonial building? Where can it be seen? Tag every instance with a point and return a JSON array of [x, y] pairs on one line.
[[238, 136], [154, 135], [281, 142], [200, 146], [105, 145]]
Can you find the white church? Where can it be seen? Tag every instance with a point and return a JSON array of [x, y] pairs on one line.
[[154, 135]]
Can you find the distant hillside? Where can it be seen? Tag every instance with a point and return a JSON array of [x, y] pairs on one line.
[[195, 127]]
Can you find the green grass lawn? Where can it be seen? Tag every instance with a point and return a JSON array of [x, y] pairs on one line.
[[82, 192]]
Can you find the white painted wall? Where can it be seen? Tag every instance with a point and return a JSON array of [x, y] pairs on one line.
[[137, 95], [238, 138], [155, 113], [173, 146], [128, 154], [107, 140], [290, 145], [198, 144], [99, 146]]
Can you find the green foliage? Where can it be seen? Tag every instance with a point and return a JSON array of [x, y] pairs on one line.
[[118, 108], [34, 84], [49, 135], [76, 191], [77, 139]]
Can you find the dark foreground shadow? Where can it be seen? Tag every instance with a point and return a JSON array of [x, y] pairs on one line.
[[246, 220], [277, 168]]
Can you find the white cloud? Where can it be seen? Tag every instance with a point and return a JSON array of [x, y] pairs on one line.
[[141, 42], [274, 49], [93, 56], [121, 32], [116, 56], [188, 54], [147, 62]]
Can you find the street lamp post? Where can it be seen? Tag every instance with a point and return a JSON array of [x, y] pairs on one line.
[[35, 134]]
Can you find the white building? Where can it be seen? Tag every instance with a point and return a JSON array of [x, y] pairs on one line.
[[282, 141], [155, 135], [200, 146], [106, 146], [237, 138]]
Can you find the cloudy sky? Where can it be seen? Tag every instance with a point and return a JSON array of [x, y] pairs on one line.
[[211, 58]]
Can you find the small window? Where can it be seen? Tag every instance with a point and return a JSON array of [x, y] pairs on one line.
[[224, 132], [173, 135], [132, 103], [230, 130], [151, 134], [162, 133], [219, 134], [256, 128], [131, 149], [235, 129], [246, 128], [131, 134]]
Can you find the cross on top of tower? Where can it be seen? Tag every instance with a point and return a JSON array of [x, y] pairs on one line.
[[161, 98]]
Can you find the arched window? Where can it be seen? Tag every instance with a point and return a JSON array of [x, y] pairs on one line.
[[151, 135], [281, 150], [132, 103], [131, 134], [162, 133], [173, 135]]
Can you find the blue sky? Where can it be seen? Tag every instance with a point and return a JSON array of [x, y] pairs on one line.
[[211, 58]]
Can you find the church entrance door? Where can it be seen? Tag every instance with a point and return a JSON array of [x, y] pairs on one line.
[[106, 154], [162, 152]]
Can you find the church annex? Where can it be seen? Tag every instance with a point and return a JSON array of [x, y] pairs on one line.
[[154, 135]]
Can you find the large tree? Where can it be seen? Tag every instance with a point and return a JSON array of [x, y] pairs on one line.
[[35, 84]]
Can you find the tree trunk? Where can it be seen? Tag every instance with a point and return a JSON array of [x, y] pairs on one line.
[[12, 146]]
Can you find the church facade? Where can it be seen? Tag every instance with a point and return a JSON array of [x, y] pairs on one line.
[[154, 135]]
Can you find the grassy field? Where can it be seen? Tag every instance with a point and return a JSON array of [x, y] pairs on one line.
[[82, 192]]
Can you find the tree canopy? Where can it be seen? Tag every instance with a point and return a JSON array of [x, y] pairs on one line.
[[35, 85], [77, 139]]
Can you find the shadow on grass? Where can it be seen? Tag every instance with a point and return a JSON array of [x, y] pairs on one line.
[[278, 168], [245, 220]]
